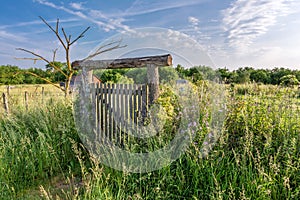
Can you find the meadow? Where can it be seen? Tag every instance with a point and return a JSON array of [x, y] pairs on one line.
[[256, 157]]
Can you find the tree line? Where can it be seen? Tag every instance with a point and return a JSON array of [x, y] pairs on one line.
[[10, 75], [242, 75]]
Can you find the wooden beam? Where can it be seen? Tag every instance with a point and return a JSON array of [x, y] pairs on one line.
[[160, 61]]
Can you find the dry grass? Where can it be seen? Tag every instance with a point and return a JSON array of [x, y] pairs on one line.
[[37, 95]]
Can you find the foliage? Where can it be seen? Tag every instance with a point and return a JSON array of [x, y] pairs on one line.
[[138, 75], [256, 156], [289, 80], [36, 145], [109, 75], [14, 75]]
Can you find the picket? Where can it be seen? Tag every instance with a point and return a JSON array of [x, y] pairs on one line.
[[119, 108]]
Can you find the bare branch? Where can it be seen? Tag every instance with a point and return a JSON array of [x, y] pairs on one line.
[[34, 59], [65, 35], [54, 54], [80, 36], [46, 80], [48, 24], [57, 22], [105, 48], [55, 31], [44, 59]]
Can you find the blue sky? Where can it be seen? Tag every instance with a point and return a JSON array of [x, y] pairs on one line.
[[232, 33]]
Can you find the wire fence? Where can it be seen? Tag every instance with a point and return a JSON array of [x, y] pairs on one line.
[[16, 97]]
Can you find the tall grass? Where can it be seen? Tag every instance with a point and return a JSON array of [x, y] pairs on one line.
[[256, 157], [35, 146]]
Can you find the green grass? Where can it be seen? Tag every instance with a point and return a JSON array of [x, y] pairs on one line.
[[256, 157]]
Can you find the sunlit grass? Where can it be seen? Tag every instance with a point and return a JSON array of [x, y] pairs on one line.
[[256, 157]]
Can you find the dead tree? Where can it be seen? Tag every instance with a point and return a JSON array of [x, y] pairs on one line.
[[66, 42]]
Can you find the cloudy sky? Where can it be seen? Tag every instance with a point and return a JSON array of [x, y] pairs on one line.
[[232, 33]]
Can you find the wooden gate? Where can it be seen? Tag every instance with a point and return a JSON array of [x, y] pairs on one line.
[[120, 108]]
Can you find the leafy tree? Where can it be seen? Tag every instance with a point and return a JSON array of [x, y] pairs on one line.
[[110, 75], [8, 77], [289, 80], [243, 75], [181, 71], [277, 74], [260, 76], [225, 75]]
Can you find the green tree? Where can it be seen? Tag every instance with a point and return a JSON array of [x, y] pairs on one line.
[[243, 75], [10, 75], [277, 74], [260, 76], [289, 80]]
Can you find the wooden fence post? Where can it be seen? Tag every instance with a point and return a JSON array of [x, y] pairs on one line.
[[26, 100], [5, 103], [8, 90], [43, 90], [153, 82]]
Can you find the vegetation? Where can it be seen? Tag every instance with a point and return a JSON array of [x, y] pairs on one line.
[[256, 157], [14, 75]]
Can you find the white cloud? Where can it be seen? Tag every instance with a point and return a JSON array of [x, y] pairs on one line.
[[246, 20], [193, 20], [90, 15], [140, 7], [77, 6]]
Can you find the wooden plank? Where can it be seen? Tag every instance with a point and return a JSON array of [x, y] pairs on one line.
[[144, 102], [97, 109], [109, 102], [105, 113], [126, 115], [131, 107], [135, 108], [139, 106], [114, 117], [119, 114], [101, 96], [160, 60], [122, 112]]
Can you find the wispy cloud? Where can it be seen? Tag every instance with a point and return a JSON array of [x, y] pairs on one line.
[[11, 37], [89, 15], [34, 22], [246, 20], [77, 6], [199, 32], [140, 7]]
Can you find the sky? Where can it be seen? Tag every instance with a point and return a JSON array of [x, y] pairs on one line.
[[218, 33]]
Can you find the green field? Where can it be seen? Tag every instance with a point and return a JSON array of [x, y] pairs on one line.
[[37, 95], [256, 157]]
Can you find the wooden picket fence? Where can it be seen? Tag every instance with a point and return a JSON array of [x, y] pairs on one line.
[[120, 108]]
